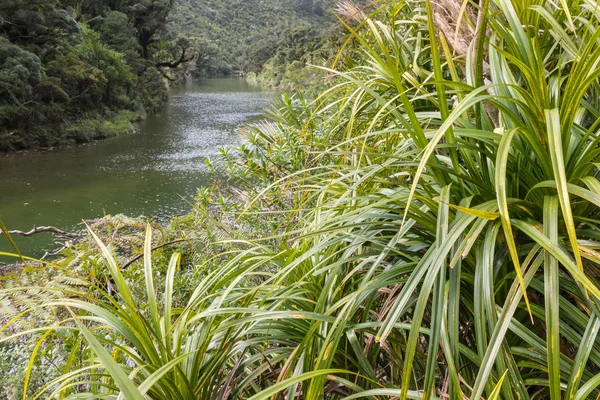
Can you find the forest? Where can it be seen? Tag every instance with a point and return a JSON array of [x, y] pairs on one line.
[[243, 36], [418, 218]]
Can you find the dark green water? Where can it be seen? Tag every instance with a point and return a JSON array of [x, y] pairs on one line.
[[146, 173]]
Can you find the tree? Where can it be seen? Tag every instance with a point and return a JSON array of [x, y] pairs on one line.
[[207, 54], [181, 51], [149, 19], [118, 32], [20, 71], [78, 79], [112, 63]]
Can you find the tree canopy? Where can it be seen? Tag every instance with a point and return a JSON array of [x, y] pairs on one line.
[[244, 35]]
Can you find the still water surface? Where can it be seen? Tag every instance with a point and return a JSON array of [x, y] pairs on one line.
[[151, 172]]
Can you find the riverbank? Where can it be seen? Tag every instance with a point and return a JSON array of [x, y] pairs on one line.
[[81, 131]]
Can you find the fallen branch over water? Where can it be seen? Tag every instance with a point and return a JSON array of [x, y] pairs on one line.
[[42, 229]]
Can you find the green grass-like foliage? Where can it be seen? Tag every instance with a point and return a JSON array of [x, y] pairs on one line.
[[442, 243]]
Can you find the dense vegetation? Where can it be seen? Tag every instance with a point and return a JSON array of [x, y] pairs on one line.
[[272, 41], [242, 36], [73, 71], [426, 228]]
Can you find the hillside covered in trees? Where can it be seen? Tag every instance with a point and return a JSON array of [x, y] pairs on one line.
[[74, 71], [254, 36]]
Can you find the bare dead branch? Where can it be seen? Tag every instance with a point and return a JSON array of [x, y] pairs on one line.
[[64, 246], [45, 229], [175, 64]]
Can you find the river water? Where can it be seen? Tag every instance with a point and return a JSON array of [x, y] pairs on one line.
[[154, 171]]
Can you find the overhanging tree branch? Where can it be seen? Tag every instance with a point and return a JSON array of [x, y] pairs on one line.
[[177, 63]]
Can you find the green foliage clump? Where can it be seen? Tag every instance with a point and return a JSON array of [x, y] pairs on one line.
[[118, 32], [291, 62], [117, 73], [152, 89], [20, 71], [243, 36], [88, 130]]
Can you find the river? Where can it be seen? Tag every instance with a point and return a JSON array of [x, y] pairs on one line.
[[154, 171]]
